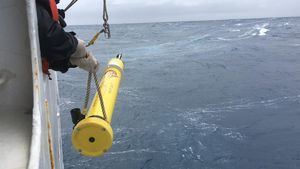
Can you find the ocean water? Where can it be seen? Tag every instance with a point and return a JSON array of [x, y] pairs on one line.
[[197, 95]]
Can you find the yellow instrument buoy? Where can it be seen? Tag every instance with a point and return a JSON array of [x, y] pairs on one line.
[[93, 136]]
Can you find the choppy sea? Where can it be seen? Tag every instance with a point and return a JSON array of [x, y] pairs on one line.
[[197, 95]]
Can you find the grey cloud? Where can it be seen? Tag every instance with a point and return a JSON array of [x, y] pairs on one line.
[[121, 11]]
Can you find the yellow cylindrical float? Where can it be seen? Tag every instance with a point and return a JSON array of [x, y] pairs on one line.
[[93, 136]]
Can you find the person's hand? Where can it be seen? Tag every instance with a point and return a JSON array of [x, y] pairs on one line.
[[90, 63], [83, 59]]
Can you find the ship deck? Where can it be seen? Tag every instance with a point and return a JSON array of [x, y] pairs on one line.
[[15, 137]]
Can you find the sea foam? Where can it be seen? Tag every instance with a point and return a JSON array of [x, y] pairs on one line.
[[262, 29]]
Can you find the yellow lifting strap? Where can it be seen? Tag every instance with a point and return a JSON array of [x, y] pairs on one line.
[[92, 41], [106, 28]]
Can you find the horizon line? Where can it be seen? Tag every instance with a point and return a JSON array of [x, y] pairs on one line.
[[204, 20]]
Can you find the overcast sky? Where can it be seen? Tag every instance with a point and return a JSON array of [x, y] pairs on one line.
[[137, 11]]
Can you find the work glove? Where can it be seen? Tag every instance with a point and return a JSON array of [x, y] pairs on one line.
[[84, 59]]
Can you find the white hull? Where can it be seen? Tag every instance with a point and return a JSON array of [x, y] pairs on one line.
[[29, 113]]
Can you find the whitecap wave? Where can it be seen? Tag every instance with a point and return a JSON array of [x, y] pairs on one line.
[[262, 29], [235, 39], [234, 30], [66, 102], [201, 118], [199, 38], [147, 150], [258, 29]]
